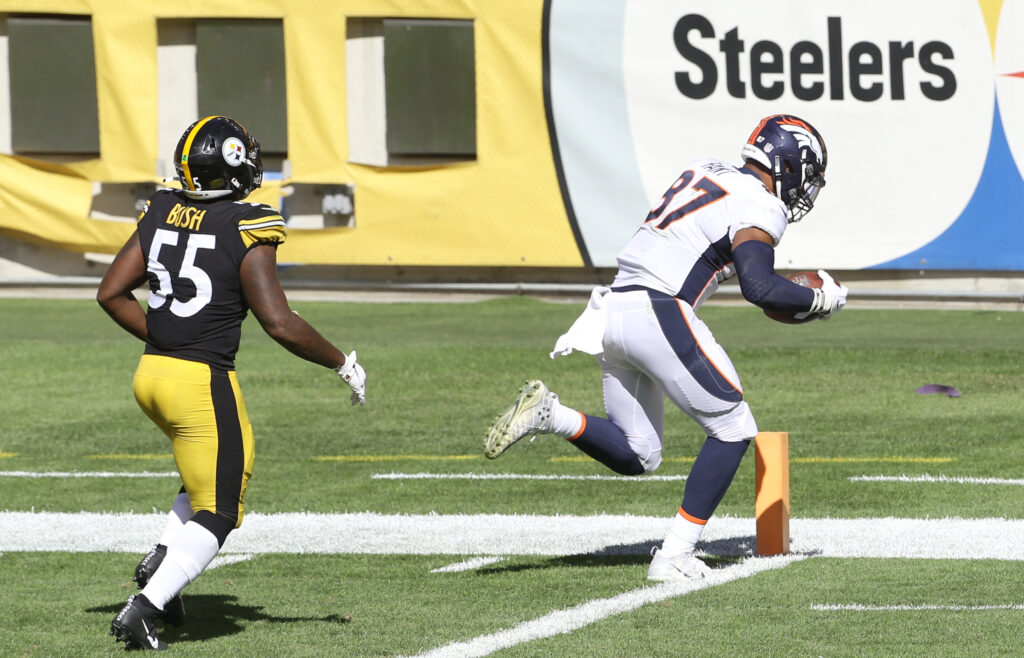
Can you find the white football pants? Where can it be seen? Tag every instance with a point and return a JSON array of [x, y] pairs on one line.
[[656, 346]]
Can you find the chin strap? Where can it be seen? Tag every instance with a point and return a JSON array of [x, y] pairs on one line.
[[210, 194]]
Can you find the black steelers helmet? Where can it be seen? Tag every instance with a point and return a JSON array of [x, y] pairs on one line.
[[218, 158]]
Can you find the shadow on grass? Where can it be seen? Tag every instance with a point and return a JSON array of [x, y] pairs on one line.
[[717, 554], [216, 615]]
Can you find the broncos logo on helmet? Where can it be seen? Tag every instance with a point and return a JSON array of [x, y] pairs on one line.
[[794, 153], [216, 157]]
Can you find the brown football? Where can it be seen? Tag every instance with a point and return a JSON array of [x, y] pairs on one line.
[[807, 280]]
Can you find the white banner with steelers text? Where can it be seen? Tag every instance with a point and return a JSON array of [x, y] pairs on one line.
[[921, 106]]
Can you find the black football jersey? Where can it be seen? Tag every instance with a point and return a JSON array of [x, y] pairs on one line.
[[193, 251]]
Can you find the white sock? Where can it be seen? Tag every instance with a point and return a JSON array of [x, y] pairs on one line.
[[682, 536], [188, 554], [565, 421], [179, 515]]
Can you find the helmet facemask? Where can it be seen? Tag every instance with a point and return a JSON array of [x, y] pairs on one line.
[[800, 198], [253, 166]]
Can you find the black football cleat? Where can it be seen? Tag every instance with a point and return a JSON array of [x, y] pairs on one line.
[[135, 625], [174, 611], [149, 564]]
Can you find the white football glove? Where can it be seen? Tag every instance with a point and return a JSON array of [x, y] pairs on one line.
[[829, 299], [353, 374]]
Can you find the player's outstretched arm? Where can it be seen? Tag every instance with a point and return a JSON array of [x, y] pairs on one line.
[[125, 274], [265, 296]]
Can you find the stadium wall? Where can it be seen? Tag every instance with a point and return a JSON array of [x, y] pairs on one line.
[[584, 114]]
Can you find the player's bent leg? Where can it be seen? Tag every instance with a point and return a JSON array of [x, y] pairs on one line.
[[181, 512], [602, 440], [537, 410], [636, 405], [188, 555]]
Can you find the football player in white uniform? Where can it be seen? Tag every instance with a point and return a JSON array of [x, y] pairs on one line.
[[715, 221]]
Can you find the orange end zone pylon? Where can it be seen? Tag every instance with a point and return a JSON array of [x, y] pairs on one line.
[[771, 500]]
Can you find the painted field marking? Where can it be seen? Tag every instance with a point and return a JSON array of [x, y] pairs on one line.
[[126, 455], [873, 460], [7, 455], [801, 460], [467, 565], [520, 534], [857, 607], [576, 617], [394, 458], [935, 478], [564, 459], [85, 474], [524, 476], [585, 459]]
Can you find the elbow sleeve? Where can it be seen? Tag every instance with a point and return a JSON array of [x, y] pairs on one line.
[[762, 286]]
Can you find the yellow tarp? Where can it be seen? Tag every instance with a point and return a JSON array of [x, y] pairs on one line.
[[503, 209]]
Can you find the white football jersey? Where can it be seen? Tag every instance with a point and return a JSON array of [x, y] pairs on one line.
[[684, 247]]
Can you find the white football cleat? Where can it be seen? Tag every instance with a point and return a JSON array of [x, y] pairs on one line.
[[681, 567], [530, 414]]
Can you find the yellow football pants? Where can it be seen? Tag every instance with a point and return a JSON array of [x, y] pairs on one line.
[[202, 411]]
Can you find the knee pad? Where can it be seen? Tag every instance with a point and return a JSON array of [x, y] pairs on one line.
[[651, 462], [647, 451], [736, 425]]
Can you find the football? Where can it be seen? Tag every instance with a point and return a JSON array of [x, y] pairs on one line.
[[807, 280]]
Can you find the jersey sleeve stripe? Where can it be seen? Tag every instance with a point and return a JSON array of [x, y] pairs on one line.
[[262, 222]]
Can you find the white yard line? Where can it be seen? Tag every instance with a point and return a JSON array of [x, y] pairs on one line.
[[576, 617], [86, 474], [934, 478], [496, 534], [524, 476], [856, 607], [468, 565]]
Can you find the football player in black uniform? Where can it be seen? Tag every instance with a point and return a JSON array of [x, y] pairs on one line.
[[209, 257]]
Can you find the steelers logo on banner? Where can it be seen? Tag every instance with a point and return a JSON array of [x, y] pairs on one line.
[[1009, 65]]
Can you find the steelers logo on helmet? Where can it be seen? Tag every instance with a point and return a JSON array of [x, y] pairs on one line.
[[233, 151]]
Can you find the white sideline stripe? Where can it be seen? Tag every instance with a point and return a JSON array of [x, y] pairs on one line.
[[523, 476], [497, 534], [467, 565], [934, 478], [224, 559], [856, 607], [85, 474], [576, 617]]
